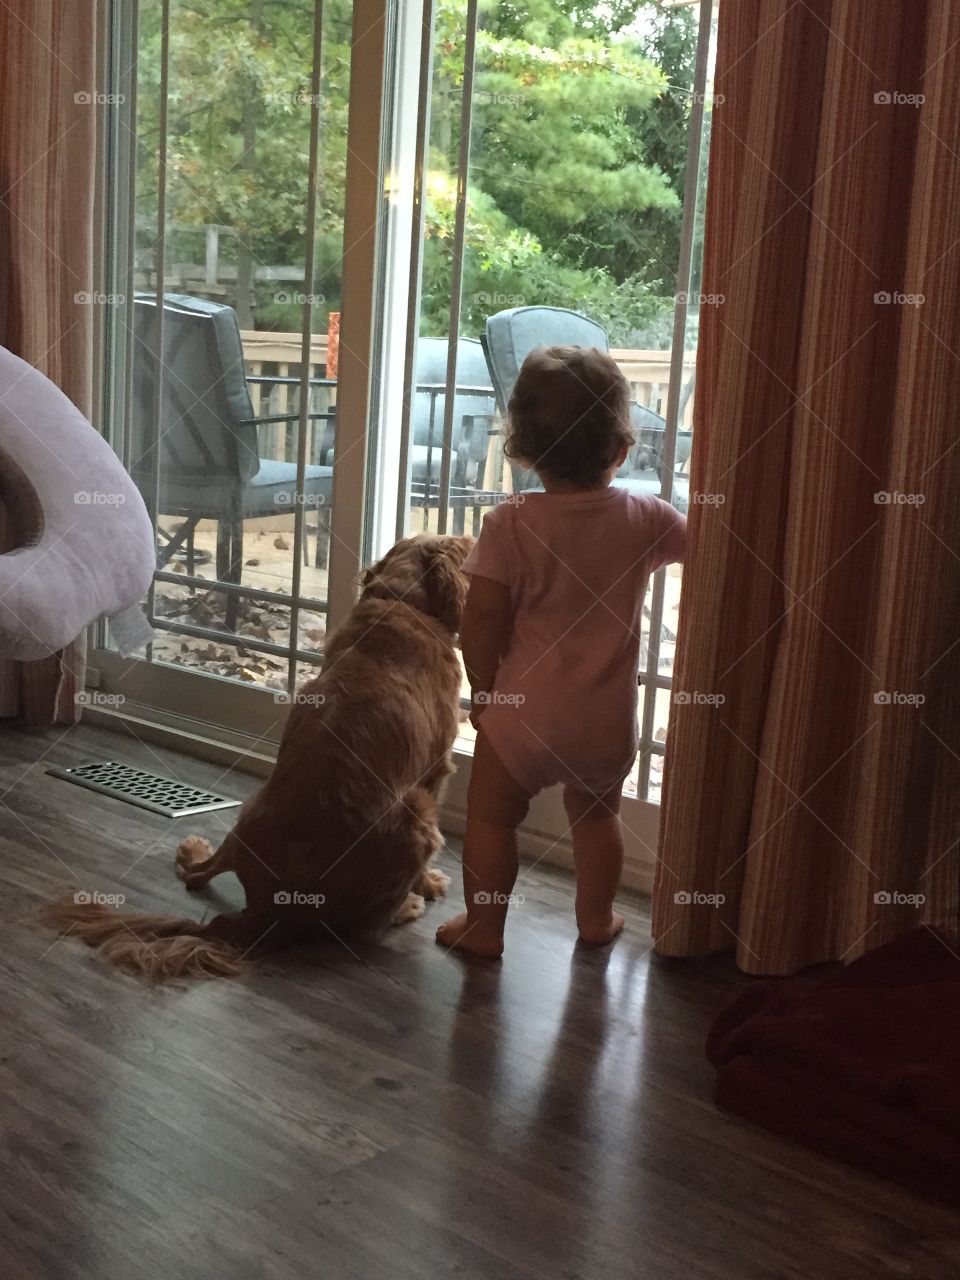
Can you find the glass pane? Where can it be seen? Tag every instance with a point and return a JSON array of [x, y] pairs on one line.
[[467, 734], [661, 716], [574, 201], [697, 303], [221, 460], [652, 768], [673, 576]]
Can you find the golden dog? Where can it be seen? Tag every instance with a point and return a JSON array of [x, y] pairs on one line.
[[339, 840]]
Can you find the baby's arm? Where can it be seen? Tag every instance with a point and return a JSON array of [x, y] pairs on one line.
[[484, 635]]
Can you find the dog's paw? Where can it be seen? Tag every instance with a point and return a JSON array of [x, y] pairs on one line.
[[412, 909], [434, 883], [190, 852]]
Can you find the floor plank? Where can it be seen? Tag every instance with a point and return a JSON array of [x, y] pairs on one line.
[[384, 1112]]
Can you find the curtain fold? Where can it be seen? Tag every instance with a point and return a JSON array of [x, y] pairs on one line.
[[811, 808], [48, 138]]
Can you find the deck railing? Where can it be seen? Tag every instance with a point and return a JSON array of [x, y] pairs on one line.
[[278, 355]]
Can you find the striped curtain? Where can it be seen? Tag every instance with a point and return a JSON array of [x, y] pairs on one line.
[[812, 799], [48, 141]]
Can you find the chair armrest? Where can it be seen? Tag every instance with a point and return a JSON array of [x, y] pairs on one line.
[[650, 439], [475, 436], [328, 435], [287, 380], [645, 453], [329, 415]]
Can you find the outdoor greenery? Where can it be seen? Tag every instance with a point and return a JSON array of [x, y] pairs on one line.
[[578, 146]]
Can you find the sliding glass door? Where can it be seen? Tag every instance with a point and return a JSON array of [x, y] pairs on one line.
[[244, 206], [332, 225], [555, 176]]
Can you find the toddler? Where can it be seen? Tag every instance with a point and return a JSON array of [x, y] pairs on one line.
[[551, 640]]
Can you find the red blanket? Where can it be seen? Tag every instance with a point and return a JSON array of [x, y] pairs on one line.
[[863, 1066]]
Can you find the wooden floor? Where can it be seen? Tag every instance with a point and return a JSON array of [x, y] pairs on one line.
[[383, 1115]]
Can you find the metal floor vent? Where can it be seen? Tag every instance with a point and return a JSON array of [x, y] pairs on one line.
[[147, 790]]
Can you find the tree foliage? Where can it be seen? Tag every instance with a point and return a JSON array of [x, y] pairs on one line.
[[578, 143]]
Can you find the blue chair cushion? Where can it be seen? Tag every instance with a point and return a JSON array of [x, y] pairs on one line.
[[432, 371], [271, 490], [512, 334], [206, 434], [418, 463]]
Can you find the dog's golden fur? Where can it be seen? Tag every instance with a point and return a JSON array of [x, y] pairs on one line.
[[349, 813]]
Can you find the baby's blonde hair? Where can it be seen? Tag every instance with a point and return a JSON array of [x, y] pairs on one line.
[[569, 414]]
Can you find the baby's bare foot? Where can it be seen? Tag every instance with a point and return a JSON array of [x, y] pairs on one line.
[[598, 935], [460, 935]]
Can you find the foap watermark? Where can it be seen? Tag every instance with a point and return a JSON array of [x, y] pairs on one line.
[[499, 299], [894, 98], [897, 299], [486, 98], [702, 99], [485, 899], [293, 98], [701, 299], [694, 898], [894, 898], [299, 500], [488, 498], [294, 898], [91, 98], [94, 698], [94, 898], [284, 699], [894, 498], [90, 298], [894, 698], [683, 698], [284, 296], [707, 499], [507, 500], [96, 498], [498, 699]]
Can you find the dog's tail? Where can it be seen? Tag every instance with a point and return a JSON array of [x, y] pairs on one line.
[[157, 947]]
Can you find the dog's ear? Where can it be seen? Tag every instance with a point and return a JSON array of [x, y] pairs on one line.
[[446, 586], [376, 571]]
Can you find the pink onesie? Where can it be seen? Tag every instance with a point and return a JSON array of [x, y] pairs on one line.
[[564, 706]]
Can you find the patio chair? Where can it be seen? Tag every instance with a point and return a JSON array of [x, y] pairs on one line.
[[510, 337], [207, 450], [473, 409]]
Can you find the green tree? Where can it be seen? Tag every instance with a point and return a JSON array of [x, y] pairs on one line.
[[238, 145], [578, 148]]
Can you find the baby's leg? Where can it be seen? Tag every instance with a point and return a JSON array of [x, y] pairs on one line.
[[598, 858], [495, 808]]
